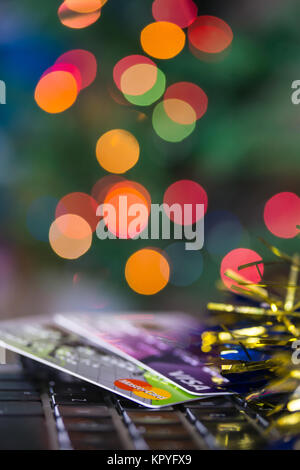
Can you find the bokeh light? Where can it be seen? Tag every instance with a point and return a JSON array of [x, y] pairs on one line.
[[180, 12], [84, 6], [122, 196], [185, 192], [138, 79], [85, 62], [80, 204], [70, 236], [40, 215], [210, 34], [117, 151], [56, 92], [162, 40], [126, 64], [65, 68], [75, 20], [236, 259], [166, 128], [103, 185], [139, 188], [147, 271], [282, 215], [223, 232], [152, 95], [185, 266], [189, 93], [180, 111]]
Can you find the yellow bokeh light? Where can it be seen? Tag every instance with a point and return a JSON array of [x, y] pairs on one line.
[[162, 40], [294, 405], [117, 151], [147, 271], [252, 331], [70, 236], [56, 92]]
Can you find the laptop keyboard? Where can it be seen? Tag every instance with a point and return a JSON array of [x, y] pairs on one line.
[[66, 413]]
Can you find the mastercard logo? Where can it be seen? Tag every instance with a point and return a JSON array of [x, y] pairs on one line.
[[142, 389]]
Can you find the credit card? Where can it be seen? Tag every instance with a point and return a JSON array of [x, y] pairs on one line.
[[158, 342], [40, 340]]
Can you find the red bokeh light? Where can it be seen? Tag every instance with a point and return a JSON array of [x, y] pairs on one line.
[[81, 204], [85, 62], [66, 68], [185, 192], [191, 94], [180, 12], [236, 259], [210, 34], [282, 215]]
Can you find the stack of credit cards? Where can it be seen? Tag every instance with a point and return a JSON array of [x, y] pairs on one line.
[[147, 358]]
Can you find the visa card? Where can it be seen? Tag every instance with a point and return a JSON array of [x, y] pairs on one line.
[[158, 342], [40, 340]]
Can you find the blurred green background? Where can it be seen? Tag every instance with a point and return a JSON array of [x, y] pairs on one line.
[[243, 151]]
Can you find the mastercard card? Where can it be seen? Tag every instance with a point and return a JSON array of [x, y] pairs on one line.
[[39, 339], [159, 342]]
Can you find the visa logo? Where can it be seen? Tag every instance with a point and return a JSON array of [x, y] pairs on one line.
[[188, 380]]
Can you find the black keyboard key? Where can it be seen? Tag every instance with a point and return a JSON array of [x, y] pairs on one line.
[[157, 417], [210, 403], [157, 444], [12, 376], [85, 411], [17, 408], [156, 431], [16, 385], [77, 388], [74, 399], [95, 441], [19, 396], [218, 414], [89, 424], [20, 434]]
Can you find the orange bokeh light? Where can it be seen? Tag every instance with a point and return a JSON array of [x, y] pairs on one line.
[[117, 151], [75, 20], [56, 92], [65, 68], [162, 40], [84, 6], [147, 271], [122, 197], [70, 236]]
